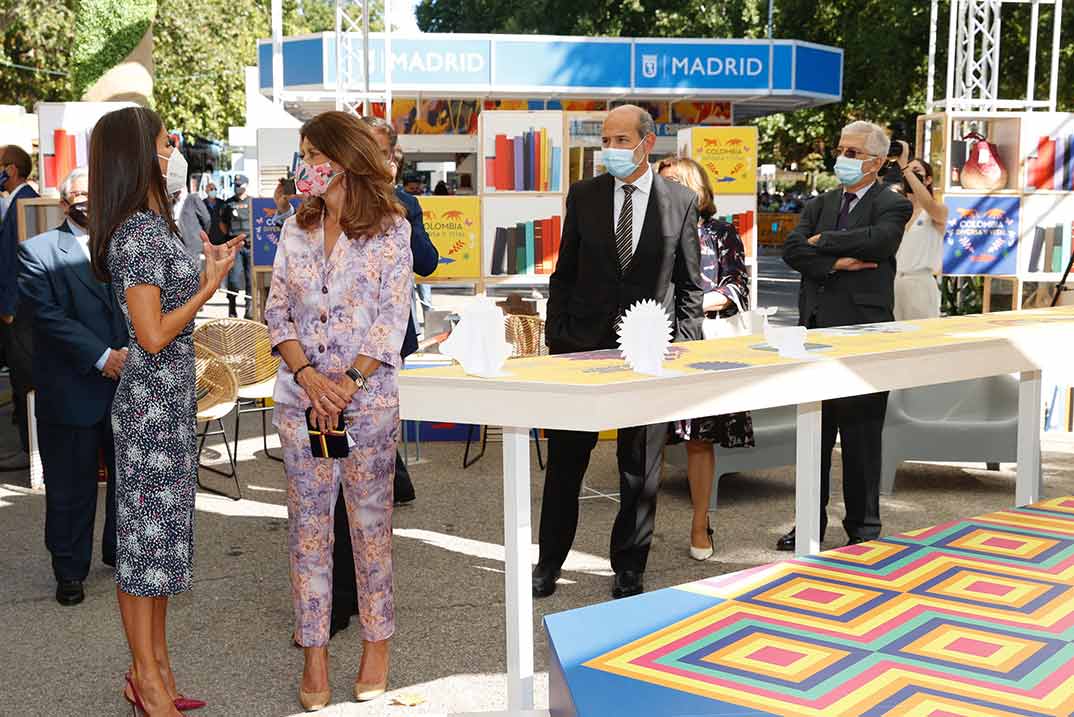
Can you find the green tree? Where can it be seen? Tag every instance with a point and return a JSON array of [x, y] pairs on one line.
[[35, 41], [105, 33]]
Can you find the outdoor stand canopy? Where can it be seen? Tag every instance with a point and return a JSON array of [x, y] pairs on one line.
[[759, 77]]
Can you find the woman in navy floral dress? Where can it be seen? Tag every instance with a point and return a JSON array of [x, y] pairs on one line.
[[134, 172], [727, 292]]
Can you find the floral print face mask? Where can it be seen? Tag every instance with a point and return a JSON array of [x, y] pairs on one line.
[[313, 179]]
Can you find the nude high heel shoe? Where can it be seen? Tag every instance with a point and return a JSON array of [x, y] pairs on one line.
[[313, 701]]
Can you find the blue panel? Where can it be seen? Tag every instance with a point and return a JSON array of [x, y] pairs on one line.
[[431, 61], [782, 77], [819, 71], [701, 66], [303, 63], [543, 63]]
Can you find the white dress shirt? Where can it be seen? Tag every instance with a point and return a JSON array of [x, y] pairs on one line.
[[640, 202], [10, 200], [83, 241]]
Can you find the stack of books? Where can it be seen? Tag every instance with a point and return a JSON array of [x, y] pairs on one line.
[[1053, 166], [743, 223], [527, 248], [1051, 248], [529, 163]]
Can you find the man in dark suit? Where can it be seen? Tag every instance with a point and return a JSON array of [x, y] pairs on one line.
[[844, 247], [15, 325], [80, 341], [628, 235]]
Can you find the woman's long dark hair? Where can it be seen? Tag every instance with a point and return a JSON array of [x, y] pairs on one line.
[[123, 173]]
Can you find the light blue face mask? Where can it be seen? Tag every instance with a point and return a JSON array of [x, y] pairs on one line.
[[619, 162], [849, 171]]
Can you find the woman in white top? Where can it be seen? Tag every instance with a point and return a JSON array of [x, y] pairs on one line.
[[920, 257]]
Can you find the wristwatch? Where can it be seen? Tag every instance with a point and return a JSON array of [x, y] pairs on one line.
[[358, 377]]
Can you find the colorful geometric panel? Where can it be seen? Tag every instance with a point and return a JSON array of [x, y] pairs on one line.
[[973, 618]]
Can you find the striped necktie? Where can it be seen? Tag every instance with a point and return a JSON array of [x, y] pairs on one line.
[[624, 229]]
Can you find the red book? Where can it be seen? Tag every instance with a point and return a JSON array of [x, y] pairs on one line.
[[65, 154], [490, 172], [556, 238], [509, 177], [549, 246], [503, 182], [1042, 168], [50, 170]]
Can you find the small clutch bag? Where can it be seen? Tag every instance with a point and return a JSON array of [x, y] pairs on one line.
[[327, 444]]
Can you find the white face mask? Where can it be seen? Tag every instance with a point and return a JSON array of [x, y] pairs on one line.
[[177, 169]]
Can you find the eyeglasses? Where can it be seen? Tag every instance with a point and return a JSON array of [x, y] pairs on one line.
[[851, 153]]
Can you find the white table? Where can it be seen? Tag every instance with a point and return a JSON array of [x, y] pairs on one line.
[[593, 395]]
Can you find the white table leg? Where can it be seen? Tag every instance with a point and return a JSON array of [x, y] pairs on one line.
[[1028, 483], [807, 480], [517, 536]]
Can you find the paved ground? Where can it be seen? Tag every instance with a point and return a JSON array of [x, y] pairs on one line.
[[230, 634]]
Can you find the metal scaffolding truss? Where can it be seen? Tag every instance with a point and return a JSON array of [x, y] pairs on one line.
[[973, 56]]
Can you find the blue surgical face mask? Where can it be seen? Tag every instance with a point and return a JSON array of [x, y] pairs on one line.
[[849, 171], [619, 162]]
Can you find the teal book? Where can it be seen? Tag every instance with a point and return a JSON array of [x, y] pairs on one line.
[[530, 250], [557, 167]]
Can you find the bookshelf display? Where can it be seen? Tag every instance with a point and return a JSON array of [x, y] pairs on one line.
[[521, 238], [1019, 232]]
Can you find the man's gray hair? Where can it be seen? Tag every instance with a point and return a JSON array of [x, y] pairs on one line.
[[65, 185], [876, 139]]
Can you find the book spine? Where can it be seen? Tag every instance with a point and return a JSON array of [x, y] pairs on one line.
[[501, 182], [538, 246], [548, 246], [520, 248], [1059, 257], [509, 178], [1046, 163], [556, 238], [557, 167], [520, 166], [536, 160], [1049, 247], [1068, 176], [1059, 163], [531, 249], [499, 251], [490, 172], [1038, 246], [527, 161]]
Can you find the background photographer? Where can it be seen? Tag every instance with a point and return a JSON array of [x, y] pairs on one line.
[[919, 260]]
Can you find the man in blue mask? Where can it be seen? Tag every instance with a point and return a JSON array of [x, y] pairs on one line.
[[844, 247], [628, 235]]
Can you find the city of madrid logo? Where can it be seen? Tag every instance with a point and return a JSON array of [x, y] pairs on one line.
[[648, 66]]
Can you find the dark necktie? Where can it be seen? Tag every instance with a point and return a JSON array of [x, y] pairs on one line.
[[624, 229], [844, 211]]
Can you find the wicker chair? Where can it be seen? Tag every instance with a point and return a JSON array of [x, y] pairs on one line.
[[216, 389], [245, 346], [526, 335]]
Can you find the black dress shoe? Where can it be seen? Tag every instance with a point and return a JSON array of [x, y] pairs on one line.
[[404, 499], [627, 584], [857, 541], [544, 581], [786, 542], [69, 592]]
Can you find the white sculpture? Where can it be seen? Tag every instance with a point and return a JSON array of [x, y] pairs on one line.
[[788, 340], [477, 341], [644, 337]]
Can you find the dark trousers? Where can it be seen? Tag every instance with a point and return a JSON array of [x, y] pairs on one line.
[[69, 455], [344, 584], [18, 351], [639, 453], [240, 278], [859, 422]]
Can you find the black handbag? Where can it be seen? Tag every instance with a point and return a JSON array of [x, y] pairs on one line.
[[327, 444]]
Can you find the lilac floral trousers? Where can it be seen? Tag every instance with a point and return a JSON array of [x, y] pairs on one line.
[[365, 477]]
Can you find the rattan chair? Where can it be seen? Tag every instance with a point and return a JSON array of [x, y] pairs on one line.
[[216, 389], [245, 346], [526, 335]]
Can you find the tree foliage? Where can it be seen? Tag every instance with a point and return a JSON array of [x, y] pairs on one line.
[[34, 37], [106, 31], [885, 43]]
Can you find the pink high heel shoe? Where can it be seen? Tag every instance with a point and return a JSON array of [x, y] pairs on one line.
[[183, 704]]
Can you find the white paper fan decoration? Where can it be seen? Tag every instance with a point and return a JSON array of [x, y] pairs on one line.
[[644, 337], [478, 342]]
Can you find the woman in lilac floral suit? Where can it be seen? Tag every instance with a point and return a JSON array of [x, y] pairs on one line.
[[337, 314], [727, 292]]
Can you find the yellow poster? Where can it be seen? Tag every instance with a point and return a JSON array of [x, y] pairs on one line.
[[454, 225], [729, 155]]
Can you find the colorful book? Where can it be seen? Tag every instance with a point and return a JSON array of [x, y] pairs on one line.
[[1037, 248], [556, 239], [1059, 166], [1068, 175], [490, 172], [502, 183], [1042, 168], [531, 250], [1058, 263], [527, 163], [509, 178], [538, 246], [520, 167], [535, 160], [557, 167], [520, 249]]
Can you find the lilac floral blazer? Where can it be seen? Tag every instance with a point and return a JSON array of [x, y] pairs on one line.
[[354, 303]]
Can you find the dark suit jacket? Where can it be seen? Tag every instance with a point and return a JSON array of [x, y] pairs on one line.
[[588, 293], [426, 258], [874, 232], [75, 319], [9, 242]]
